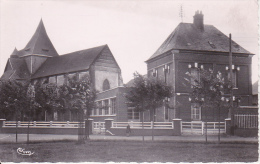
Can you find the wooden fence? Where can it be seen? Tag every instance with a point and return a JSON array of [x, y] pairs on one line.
[[200, 127], [147, 125], [42, 124]]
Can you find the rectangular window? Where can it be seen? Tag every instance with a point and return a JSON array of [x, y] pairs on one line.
[[113, 106], [106, 107], [195, 77], [100, 108], [96, 111], [71, 76], [52, 80], [234, 78], [60, 80], [195, 111], [166, 70], [83, 75], [44, 80], [132, 114], [154, 72]]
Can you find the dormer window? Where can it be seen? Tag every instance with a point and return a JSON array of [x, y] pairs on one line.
[[237, 46], [212, 45]]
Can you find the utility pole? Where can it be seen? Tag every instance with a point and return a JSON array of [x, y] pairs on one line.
[[231, 80]]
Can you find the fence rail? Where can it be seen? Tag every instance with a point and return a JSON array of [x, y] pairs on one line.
[[246, 121], [146, 125], [42, 124], [200, 127]]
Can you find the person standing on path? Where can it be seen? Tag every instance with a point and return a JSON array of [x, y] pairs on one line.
[[128, 130]]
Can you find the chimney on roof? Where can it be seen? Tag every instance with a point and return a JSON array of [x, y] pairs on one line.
[[198, 20]]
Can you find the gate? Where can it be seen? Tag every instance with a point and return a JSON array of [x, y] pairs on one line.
[[192, 128], [99, 128], [199, 128]]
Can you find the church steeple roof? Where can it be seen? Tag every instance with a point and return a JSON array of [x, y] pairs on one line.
[[14, 53], [40, 44]]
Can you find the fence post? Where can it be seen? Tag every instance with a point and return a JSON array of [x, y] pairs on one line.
[[191, 127], [228, 126], [50, 123], [99, 125], [202, 128], [19, 123], [177, 126], [132, 124], [68, 123], [151, 124], [2, 123]]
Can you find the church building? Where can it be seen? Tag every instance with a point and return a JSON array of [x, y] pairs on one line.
[[40, 62]]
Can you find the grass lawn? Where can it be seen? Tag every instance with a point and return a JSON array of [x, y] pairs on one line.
[[119, 151]]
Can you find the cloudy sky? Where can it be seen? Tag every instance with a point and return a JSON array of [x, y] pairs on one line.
[[133, 29]]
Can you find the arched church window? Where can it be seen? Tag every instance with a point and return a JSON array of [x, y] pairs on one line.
[[106, 85]]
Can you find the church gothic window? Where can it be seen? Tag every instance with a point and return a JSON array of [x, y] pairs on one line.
[[106, 85]]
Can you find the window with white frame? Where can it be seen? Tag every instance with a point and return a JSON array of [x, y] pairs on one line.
[[83, 75], [132, 114], [113, 105], [234, 78], [195, 77], [166, 70], [106, 106], [195, 111], [60, 80], [154, 72], [53, 79], [100, 108]]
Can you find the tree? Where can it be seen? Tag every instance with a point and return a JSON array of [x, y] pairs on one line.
[[137, 96], [12, 99], [47, 98], [209, 90], [148, 94], [13, 102], [79, 95]]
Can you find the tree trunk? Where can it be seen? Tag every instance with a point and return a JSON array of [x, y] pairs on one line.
[[153, 124], [143, 126], [87, 127], [206, 130], [80, 133], [218, 124], [16, 136], [29, 118]]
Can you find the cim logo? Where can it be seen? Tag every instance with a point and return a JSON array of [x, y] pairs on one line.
[[21, 151]]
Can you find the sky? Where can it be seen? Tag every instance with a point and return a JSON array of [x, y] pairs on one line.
[[133, 29]]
